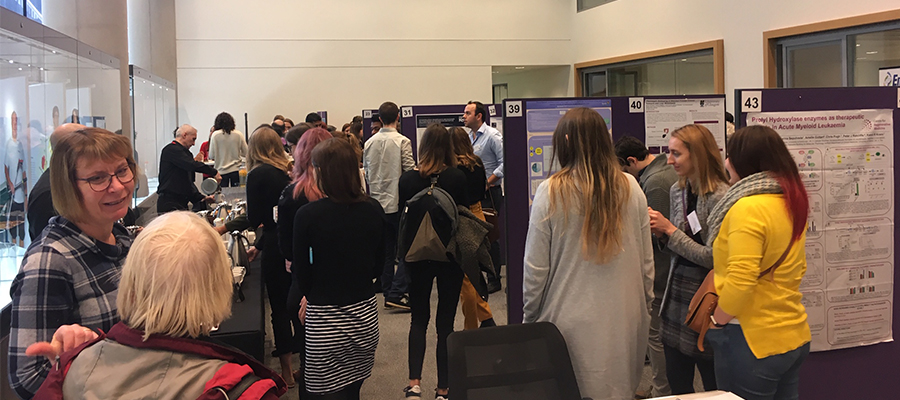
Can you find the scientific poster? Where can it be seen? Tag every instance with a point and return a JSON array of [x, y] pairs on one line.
[[846, 161], [449, 120], [541, 119], [664, 116]]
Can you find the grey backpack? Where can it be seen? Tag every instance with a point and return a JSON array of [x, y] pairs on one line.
[[427, 225]]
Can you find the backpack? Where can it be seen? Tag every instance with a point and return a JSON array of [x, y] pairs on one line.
[[427, 225]]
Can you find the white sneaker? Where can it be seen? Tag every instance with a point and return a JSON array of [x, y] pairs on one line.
[[413, 392], [441, 396]]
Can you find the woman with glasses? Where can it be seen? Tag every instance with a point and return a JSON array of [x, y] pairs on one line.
[[70, 274]]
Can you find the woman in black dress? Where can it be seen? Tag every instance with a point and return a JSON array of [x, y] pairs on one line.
[[269, 167]]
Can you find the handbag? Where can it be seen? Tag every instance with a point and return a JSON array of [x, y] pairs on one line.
[[705, 301], [491, 217]]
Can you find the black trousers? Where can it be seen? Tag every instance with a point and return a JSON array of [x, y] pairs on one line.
[[278, 285], [231, 179], [449, 282], [493, 198], [166, 203], [349, 392], [680, 371]]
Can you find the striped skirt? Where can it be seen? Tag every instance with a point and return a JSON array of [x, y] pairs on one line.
[[340, 345]]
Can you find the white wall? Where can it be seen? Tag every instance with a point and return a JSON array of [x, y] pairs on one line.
[[537, 82], [633, 26], [292, 57]]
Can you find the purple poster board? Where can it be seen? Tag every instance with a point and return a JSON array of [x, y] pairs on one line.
[[324, 115], [521, 172], [867, 372], [368, 116], [414, 119]]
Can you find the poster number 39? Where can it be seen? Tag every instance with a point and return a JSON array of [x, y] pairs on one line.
[[514, 109], [751, 101]]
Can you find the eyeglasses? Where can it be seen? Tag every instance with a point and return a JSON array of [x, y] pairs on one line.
[[101, 182]]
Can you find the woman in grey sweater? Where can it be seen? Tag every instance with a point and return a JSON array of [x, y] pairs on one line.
[[589, 259], [226, 147], [702, 183]]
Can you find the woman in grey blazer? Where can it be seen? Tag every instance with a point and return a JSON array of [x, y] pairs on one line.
[[702, 183]]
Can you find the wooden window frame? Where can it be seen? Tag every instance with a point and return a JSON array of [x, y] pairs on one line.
[[717, 47], [771, 38]]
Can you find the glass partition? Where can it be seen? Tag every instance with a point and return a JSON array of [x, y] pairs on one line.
[[153, 108], [46, 79]]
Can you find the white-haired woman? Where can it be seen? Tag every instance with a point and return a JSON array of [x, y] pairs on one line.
[[176, 287]]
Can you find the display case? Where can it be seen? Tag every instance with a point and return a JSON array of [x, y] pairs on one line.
[[153, 111], [46, 79]]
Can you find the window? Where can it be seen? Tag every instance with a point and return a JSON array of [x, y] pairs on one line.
[[846, 52], [693, 69], [588, 4], [501, 92]]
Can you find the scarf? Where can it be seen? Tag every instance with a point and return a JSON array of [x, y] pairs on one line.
[[758, 183]]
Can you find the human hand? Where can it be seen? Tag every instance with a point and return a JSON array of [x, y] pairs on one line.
[[220, 229], [287, 266], [198, 157], [209, 199], [302, 313], [66, 337], [660, 225], [219, 178], [251, 253]]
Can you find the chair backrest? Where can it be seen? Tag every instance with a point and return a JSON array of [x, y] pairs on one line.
[[523, 362]]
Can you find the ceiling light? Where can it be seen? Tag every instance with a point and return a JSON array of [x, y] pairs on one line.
[[54, 51], [20, 68], [42, 68], [11, 61], [857, 45], [683, 59], [871, 52], [520, 67]]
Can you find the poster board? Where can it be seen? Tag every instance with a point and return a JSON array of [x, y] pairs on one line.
[[529, 125], [415, 119], [843, 142], [368, 115], [889, 76]]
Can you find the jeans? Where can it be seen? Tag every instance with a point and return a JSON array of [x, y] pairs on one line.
[[680, 371], [493, 198], [740, 372], [393, 284], [449, 282], [231, 179]]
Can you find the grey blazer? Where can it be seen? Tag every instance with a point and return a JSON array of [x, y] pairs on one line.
[[680, 243]]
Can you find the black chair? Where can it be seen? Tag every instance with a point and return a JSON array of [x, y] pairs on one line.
[[522, 362]]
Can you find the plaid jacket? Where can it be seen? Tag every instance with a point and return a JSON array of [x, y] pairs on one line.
[[66, 277]]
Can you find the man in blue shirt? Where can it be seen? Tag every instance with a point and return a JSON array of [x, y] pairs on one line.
[[488, 144]]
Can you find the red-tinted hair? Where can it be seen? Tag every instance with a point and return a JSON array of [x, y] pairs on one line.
[[305, 183], [759, 148]]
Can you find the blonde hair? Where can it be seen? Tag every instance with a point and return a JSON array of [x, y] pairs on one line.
[[265, 147], [177, 279], [87, 144], [705, 158], [592, 179]]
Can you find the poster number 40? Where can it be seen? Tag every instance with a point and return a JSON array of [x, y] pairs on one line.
[[751, 101], [635, 105], [514, 109]]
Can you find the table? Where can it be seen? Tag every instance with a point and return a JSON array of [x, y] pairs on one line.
[[246, 329]]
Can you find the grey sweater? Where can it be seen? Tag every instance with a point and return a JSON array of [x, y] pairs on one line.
[[656, 180]]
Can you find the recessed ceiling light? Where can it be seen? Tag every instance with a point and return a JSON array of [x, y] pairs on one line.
[[54, 51], [42, 68], [857, 45], [520, 67], [20, 68], [11, 61], [871, 52], [684, 59]]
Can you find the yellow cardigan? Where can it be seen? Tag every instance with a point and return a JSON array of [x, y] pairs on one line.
[[753, 235]]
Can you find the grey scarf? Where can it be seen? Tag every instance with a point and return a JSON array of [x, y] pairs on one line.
[[758, 183]]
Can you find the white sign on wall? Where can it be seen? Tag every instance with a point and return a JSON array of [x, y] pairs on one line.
[[889, 76]]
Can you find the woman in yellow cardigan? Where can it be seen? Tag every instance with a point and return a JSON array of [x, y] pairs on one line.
[[759, 230]]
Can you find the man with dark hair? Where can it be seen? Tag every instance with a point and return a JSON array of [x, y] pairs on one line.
[[656, 178], [312, 118], [278, 117], [386, 155], [176, 173], [488, 144], [278, 127]]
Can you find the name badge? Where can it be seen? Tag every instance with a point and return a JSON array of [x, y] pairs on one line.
[[694, 222]]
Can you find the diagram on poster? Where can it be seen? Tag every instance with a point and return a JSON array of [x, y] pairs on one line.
[[664, 116], [541, 119], [846, 161]]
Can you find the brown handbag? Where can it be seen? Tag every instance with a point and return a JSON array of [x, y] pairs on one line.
[[705, 301]]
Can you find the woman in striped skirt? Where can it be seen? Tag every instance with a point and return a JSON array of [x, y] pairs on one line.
[[338, 307]]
